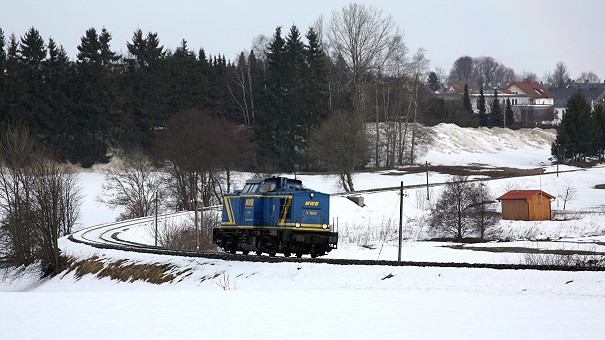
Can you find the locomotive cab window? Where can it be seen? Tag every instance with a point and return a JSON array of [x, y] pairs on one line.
[[268, 185], [250, 188]]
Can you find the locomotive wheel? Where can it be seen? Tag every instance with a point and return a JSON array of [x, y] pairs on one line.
[[313, 255], [272, 253], [259, 253], [245, 252], [233, 251], [299, 255], [287, 254]]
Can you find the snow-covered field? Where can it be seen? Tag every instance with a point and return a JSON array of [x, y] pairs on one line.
[[232, 300]]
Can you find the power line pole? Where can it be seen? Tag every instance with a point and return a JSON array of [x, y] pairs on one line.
[[428, 197], [400, 220], [156, 218]]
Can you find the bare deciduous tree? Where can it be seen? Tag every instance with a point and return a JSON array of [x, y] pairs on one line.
[[463, 210], [197, 146], [241, 89], [588, 77], [183, 235], [133, 186], [560, 76], [529, 77], [340, 144], [56, 201], [366, 40], [39, 202], [482, 214], [486, 70], [462, 70], [16, 227], [569, 194]]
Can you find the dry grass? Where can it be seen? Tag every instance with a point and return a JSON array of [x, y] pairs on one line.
[[123, 271]]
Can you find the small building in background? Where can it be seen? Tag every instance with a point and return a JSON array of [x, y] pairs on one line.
[[526, 205]]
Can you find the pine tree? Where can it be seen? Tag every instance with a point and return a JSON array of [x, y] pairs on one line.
[[317, 94], [496, 115], [482, 115], [15, 94], [59, 80], [270, 131], [296, 101], [32, 52], [509, 114], [433, 81], [144, 91], [96, 98], [599, 114], [3, 80], [466, 100], [577, 135], [32, 48]]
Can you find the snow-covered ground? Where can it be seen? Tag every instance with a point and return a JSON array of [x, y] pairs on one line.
[[232, 300]]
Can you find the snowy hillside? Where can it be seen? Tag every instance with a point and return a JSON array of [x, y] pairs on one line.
[[234, 300]]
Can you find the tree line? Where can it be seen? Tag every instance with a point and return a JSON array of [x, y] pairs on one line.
[[281, 92]]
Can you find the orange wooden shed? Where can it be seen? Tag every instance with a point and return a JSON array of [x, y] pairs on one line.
[[526, 205]]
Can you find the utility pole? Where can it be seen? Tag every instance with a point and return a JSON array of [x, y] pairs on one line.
[[400, 220], [156, 218], [197, 232], [558, 156], [428, 197]]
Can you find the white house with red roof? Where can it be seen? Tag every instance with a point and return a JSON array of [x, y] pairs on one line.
[[532, 102], [535, 92]]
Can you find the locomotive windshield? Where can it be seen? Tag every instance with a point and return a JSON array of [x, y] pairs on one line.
[[250, 188]]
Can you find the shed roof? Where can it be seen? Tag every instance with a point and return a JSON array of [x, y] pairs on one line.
[[523, 195]]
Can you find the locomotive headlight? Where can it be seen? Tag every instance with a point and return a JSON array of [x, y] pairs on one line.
[[325, 226], [312, 195], [297, 224]]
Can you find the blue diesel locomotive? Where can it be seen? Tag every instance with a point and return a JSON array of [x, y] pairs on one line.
[[276, 215]]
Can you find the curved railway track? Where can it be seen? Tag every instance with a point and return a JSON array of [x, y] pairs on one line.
[[106, 236]]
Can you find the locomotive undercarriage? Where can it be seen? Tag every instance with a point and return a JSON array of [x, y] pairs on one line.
[[275, 241]]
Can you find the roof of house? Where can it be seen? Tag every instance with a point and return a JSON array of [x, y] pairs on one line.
[[458, 87], [523, 195], [592, 91], [533, 89]]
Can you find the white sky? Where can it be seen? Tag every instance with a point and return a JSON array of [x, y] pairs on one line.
[[526, 35]]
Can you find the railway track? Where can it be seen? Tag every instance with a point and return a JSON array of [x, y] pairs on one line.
[[106, 236], [436, 184]]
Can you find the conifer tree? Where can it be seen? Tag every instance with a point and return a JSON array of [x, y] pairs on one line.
[[317, 94], [60, 82], [577, 135], [32, 52], [599, 114], [270, 130], [16, 86], [482, 115], [433, 81], [509, 114], [496, 114], [143, 92], [466, 100], [3, 80], [96, 97]]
